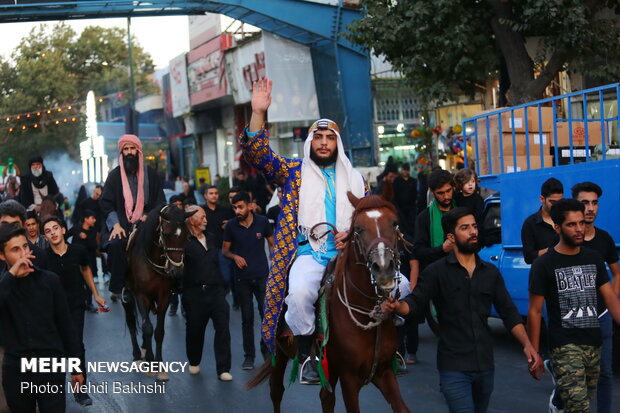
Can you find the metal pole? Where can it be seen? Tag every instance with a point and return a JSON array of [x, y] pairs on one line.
[[132, 91]]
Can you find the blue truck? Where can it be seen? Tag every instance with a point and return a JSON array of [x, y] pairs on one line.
[[573, 138]]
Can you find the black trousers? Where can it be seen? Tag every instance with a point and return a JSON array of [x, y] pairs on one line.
[[202, 305], [408, 337], [117, 260], [77, 315], [21, 399], [93, 267], [246, 291]]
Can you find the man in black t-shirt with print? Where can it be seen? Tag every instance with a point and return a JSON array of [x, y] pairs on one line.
[[70, 262], [588, 193], [567, 277], [244, 243]]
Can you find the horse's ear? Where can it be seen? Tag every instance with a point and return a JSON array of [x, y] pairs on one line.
[[189, 214], [353, 199]]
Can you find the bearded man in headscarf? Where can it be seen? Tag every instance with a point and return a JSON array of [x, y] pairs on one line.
[[131, 191], [37, 184], [314, 189]]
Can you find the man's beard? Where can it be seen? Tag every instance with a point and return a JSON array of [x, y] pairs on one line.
[[131, 163], [467, 247], [568, 240], [446, 203], [324, 161]]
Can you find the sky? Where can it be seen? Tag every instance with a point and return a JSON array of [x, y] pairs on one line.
[[163, 37]]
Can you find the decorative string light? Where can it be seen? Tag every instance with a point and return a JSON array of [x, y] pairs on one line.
[[56, 122], [71, 106]]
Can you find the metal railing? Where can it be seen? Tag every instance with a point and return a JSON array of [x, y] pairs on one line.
[[583, 126]]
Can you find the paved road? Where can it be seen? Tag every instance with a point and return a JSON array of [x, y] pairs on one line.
[[107, 339]]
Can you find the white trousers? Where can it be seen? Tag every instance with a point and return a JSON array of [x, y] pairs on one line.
[[304, 281]]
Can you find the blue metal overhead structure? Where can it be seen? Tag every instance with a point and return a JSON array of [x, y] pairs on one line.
[[341, 69]]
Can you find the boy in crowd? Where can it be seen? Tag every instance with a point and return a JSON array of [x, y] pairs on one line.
[[35, 320], [70, 262]]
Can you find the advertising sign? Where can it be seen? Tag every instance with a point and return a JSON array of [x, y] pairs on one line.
[[179, 89]]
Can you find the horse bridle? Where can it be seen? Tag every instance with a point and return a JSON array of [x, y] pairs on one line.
[[161, 243], [376, 315]]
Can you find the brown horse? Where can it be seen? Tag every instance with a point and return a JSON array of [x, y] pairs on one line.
[[362, 341], [48, 208], [155, 254]]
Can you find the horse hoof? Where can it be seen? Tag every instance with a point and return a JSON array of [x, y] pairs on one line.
[[163, 376], [151, 374]]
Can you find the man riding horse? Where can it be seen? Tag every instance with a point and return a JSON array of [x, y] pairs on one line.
[[131, 191], [314, 190]]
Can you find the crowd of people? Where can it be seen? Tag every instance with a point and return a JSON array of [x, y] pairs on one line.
[[271, 265]]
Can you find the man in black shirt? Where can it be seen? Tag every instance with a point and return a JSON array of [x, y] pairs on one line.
[[33, 230], [588, 193], [12, 211], [92, 204], [35, 322], [463, 288], [537, 233], [85, 234], [405, 198], [568, 277], [244, 243], [217, 216], [71, 264], [204, 297], [429, 243]]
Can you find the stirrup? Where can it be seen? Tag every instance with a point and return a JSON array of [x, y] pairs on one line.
[[316, 380], [123, 292]]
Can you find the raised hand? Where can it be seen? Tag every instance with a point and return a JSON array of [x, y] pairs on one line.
[[261, 99], [261, 95], [23, 266]]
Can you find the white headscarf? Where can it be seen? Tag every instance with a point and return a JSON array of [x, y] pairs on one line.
[[313, 187]]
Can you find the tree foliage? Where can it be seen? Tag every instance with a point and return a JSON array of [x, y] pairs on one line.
[[53, 68], [444, 46]]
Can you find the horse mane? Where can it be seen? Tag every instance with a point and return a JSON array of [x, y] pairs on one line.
[[147, 232], [371, 202]]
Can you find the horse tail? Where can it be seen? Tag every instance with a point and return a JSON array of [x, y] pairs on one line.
[[261, 375]]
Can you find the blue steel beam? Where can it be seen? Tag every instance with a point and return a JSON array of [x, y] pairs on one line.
[[342, 69]]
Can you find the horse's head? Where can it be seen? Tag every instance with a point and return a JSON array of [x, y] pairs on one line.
[[374, 234], [173, 235]]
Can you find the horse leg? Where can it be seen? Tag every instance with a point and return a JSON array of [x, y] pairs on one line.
[[328, 398], [144, 305], [387, 384], [131, 321], [351, 386], [276, 380], [162, 307]]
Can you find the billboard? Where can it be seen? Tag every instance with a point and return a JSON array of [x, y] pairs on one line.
[[179, 89]]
